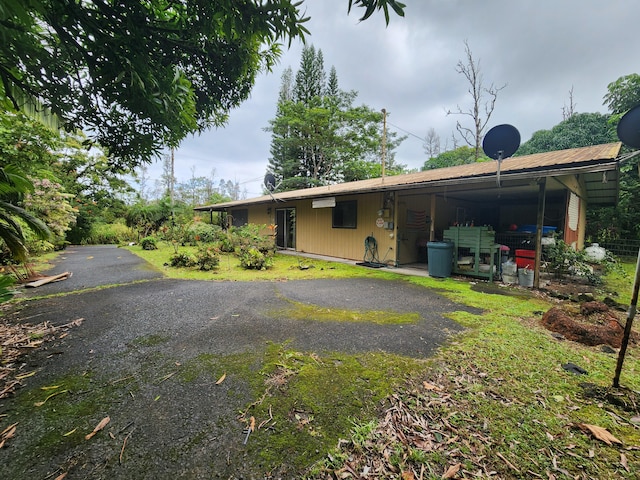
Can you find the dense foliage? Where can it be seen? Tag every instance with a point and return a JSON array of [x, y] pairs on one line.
[[623, 94], [451, 158], [579, 130], [141, 75]]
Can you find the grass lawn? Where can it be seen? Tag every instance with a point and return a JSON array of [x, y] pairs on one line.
[[495, 403]]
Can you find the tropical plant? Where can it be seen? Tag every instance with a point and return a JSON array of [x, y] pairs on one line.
[[207, 258], [147, 218], [561, 259], [579, 130], [254, 259], [13, 187], [623, 94], [148, 243], [182, 260], [6, 290]]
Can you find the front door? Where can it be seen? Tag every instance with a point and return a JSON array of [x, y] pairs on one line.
[[286, 228]]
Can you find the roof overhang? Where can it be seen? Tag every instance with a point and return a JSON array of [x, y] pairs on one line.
[[596, 168]]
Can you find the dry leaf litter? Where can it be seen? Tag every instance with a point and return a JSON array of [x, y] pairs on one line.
[[16, 340]]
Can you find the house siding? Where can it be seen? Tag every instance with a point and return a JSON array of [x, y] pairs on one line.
[[316, 234]]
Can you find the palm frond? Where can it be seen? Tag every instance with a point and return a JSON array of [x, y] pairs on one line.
[[35, 224]]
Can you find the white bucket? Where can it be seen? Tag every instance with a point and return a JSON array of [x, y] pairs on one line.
[[509, 268], [509, 279], [525, 277]]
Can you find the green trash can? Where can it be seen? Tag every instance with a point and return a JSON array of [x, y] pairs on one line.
[[440, 259]]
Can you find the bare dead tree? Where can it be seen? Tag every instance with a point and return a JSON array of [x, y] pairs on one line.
[[470, 68], [431, 143], [569, 111]]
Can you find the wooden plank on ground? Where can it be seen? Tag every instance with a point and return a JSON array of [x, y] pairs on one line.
[[44, 281]]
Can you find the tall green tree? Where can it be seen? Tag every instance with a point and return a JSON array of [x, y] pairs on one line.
[[142, 75], [319, 136], [623, 94]]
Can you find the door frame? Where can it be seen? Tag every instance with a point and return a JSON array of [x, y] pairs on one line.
[[286, 228]]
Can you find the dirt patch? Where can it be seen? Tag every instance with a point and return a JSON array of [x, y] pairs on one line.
[[592, 323]]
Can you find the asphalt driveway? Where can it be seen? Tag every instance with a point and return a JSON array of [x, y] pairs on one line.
[[188, 319]]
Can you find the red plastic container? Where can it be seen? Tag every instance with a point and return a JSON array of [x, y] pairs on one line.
[[525, 258]]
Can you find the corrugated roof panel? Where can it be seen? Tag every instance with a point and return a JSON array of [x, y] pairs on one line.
[[537, 164]]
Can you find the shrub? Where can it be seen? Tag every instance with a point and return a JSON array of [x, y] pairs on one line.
[[252, 258], [203, 232], [561, 260], [182, 260], [148, 243], [226, 243], [110, 233], [207, 258], [250, 236]]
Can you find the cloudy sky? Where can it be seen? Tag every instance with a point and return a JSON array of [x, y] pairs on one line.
[[541, 49]]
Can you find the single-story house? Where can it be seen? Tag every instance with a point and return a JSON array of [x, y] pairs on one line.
[[545, 192]]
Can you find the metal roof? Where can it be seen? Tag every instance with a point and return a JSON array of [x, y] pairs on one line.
[[597, 163]]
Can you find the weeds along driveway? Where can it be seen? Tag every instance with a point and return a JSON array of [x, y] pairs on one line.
[[136, 340]]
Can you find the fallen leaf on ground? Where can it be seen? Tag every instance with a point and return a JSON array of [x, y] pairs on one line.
[[431, 386], [600, 433], [452, 471], [71, 432], [408, 476], [221, 379], [624, 462], [61, 476], [39, 404], [7, 433], [100, 426]]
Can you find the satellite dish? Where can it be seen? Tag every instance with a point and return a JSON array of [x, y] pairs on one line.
[[270, 182], [629, 128], [501, 142]]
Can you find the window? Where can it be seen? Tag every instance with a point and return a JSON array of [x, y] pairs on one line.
[[345, 214], [240, 217]]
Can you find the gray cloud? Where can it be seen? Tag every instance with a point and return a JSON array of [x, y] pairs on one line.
[[540, 49]]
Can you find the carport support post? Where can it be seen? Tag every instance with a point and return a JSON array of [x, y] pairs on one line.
[[542, 191], [627, 328]]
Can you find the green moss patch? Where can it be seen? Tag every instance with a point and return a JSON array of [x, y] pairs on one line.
[[306, 402], [305, 311]]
